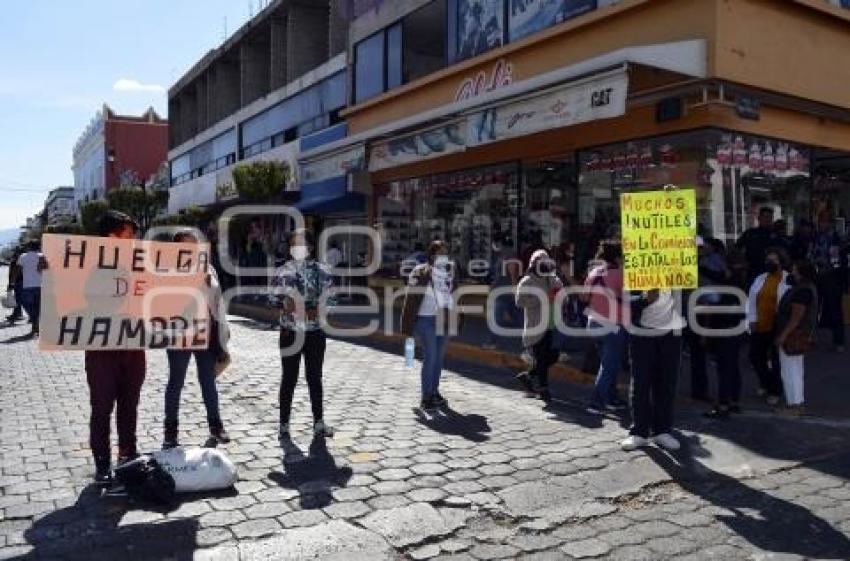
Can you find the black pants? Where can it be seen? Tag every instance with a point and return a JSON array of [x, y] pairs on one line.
[[313, 351], [832, 305], [727, 350], [699, 375], [655, 372], [764, 356], [544, 357]]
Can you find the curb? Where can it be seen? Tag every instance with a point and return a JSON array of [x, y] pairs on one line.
[[456, 350]]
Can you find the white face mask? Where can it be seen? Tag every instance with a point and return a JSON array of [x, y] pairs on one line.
[[300, 252]]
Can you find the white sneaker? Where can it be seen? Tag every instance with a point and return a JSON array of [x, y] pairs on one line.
[[633, 442], [321, 429], [666, 441]]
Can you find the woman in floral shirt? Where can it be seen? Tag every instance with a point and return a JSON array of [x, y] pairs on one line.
[[301, 287]]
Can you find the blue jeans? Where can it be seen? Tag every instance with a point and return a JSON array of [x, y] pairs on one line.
[[31, 301], [612, 352], [178, 364], [433, 352]]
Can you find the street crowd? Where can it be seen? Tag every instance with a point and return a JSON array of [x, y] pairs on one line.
[[780, 288]]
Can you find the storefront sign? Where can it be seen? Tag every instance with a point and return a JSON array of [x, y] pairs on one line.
[[105, 293], [341, 163], [659, 239], [500, 76], [432, 143], [600, 98]]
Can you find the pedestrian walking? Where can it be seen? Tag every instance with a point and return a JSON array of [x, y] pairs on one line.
[[16, 285], [756, 241], [426, 314], [206, 361], [606, 312], [762, 307], [831, 279], [535, 295], [796, 323], [301, 286], [655, 351], [31, 264], [115, 381], [725, 342]]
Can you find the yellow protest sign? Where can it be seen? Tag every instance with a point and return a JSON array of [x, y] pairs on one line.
[[659, 239]]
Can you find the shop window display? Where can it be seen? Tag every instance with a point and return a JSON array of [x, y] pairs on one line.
[[733, 175], [548, 216], [466, 209]]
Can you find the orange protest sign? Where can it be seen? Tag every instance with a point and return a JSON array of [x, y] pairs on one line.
[[109, 294]]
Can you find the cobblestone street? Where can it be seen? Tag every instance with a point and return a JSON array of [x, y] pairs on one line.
[[493, 477]]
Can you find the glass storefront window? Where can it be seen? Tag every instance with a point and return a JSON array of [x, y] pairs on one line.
[[548, 210], [468, 210], [734, 175]]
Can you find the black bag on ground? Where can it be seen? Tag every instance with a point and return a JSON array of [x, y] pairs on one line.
[[145, 480]]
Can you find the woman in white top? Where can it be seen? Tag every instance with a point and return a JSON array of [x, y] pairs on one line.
[[655, 344], [431, 325]]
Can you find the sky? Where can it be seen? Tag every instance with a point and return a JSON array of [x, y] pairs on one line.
[[62, 59]]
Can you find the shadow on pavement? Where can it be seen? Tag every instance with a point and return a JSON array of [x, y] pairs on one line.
[[767, 522], [446, 420], [313, 476], [18, 339], [91, 529]]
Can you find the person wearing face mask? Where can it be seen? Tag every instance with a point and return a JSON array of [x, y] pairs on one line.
[[301, 286], [796, 322], [425, 315], [535, 295], [762, 306]]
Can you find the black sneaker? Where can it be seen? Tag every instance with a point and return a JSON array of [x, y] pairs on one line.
[[103, 474], [546, 396], [616, 405], [219, 435], [170, 438], [428, 404], [439, 400]]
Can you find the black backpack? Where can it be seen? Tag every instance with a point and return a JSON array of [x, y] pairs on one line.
[[146, 481]]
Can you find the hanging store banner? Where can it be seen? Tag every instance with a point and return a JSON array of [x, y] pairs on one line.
[[108, 294], [659, 239], [432, 143], [598, 98], [341, 163]]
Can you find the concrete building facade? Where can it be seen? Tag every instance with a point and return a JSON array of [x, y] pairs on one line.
[[59, 205], [279, 78], [524, 122]]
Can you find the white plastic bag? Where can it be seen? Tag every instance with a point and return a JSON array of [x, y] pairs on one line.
[[9, 300], [198, 469]]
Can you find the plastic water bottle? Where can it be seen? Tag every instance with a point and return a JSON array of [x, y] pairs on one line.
[[409, 347]]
